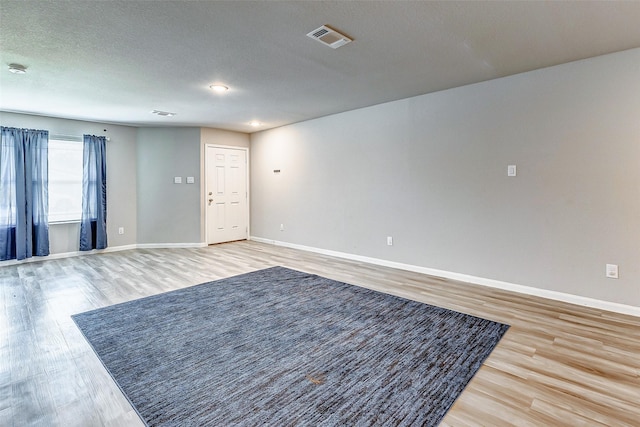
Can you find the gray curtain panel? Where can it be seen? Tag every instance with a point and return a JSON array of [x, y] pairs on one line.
[[24, 204], [93, 225]]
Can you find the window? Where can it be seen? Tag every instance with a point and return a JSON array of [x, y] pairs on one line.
[[65, 180], [7, 184]]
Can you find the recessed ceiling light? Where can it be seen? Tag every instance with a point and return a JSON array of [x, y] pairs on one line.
[[163, 113], [219, 88], [17, 69], [255, 123]]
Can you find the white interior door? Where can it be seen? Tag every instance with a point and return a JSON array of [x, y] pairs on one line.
[[226, 194]]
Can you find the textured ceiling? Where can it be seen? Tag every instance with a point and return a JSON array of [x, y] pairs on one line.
[[115, 61]]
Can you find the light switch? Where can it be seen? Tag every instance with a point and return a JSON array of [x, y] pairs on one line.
[[177, 180], [190, 180], [511, 170]]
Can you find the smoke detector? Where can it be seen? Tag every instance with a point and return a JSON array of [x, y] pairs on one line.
[[329, 37], [163, 113]]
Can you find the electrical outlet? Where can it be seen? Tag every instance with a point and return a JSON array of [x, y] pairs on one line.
[[121, 230], [389, 240], [281, 227], [612, 271]]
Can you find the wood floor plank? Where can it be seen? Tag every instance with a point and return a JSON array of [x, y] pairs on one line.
[[559, 364]]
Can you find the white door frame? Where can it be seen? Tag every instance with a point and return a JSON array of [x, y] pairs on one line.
[[204, 188]]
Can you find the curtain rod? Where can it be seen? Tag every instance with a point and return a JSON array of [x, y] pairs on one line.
[[69, 137]]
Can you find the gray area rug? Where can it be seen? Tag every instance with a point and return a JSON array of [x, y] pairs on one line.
[[280, 347]]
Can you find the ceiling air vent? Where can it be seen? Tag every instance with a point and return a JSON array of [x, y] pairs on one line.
[[329, 37]]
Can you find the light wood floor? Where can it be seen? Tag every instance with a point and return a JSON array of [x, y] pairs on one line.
[[558, 364]]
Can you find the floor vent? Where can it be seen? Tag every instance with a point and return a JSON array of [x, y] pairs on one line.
[[329, 37]]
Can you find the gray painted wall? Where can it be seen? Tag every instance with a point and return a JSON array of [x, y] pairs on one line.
[[224, 137], [431, 171], [141, 164], [121, 177], [168, 212]]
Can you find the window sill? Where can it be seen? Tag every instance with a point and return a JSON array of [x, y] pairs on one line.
[[71, 221]]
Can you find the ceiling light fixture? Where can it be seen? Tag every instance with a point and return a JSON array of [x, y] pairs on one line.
[[219, 88], [163, 113], [254, 123], [17, 69]]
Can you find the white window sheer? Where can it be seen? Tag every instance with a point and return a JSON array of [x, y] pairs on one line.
[[65, 180]]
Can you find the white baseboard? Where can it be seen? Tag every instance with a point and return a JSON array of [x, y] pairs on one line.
[[528, 290]]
